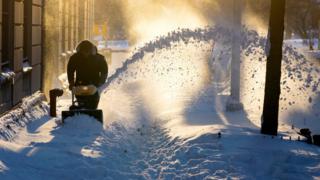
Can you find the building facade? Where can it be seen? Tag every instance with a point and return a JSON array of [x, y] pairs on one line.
[[66, 23], [37, 37]]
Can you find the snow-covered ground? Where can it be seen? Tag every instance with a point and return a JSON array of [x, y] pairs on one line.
[[303, 46], [164, 118]]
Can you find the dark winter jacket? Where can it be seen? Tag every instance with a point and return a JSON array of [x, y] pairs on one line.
[[91, 70]]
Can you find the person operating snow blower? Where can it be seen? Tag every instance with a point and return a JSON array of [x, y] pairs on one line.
[[87, 70]]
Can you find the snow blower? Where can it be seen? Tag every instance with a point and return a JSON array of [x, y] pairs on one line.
[[80, 106]]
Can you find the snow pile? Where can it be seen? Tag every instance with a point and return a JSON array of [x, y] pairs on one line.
[[26, 67], [6, 76], [31, 109]]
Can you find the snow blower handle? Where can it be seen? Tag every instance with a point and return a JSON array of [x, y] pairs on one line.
[[72, 96]]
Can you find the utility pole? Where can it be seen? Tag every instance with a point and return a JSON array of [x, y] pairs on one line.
[[273, 75], [233, 103]]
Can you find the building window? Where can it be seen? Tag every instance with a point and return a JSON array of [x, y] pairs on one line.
[[26, 31], [5, 60], [64, 17], [6, 56], [27, 47], [70, 18], [6, 97]]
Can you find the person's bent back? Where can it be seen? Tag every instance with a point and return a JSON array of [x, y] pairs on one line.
[[87, 67]]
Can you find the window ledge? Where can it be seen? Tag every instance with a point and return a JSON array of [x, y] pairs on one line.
[[26, 67], [6, 76]]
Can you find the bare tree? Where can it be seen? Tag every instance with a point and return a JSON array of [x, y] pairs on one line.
[[319, 34], [273, 75], [111, 13], [233, 103], [302, 19]]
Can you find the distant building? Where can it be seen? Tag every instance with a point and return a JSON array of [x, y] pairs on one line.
[[37, 37]]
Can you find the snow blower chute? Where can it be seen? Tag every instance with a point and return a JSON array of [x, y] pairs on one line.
[[80, 106]]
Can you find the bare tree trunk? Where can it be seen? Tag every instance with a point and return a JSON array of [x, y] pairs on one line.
[[311, 40], [319, 35], [234, 103], [273, 75]]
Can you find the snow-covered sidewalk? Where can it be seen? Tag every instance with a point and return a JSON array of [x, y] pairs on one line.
[[82, 149]]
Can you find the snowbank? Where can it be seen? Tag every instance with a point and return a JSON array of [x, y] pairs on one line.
[[31, 109], [6, 76]]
